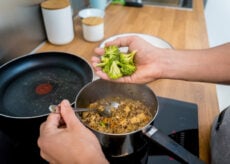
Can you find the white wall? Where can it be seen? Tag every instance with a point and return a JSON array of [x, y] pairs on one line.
[[217, 13]]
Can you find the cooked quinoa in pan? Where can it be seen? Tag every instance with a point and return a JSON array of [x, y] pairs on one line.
[[129, 116]]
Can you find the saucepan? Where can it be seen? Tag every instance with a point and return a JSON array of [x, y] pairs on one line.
[[119, 145]]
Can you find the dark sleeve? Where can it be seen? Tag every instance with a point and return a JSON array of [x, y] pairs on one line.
[[220, 138]]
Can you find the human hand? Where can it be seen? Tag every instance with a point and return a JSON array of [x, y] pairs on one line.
[[72, 143], [148, 60]]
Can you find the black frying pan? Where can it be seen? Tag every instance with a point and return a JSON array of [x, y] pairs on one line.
[[29, 84]]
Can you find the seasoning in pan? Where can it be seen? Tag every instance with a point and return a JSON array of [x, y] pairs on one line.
[[43, 89], [129, 116]]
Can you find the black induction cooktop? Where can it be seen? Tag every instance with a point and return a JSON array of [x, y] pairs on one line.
[[178, 119]]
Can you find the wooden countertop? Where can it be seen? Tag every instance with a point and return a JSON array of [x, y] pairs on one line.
[[183, 29]]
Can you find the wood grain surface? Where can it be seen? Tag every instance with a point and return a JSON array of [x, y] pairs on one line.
[[183, 29]]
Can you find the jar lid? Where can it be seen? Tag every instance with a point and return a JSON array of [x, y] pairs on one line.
[[55, 4], [92, 21]]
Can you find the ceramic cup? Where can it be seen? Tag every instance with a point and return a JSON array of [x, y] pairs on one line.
[[91, 12], [93, 28], [99, 4]]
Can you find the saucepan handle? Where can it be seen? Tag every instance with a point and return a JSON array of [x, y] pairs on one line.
[[163, 140]]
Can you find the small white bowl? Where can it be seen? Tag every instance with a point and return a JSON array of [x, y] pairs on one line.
[[91, 12]]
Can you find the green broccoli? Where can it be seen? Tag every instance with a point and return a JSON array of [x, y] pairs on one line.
[[104, 61], [127, 58], [112, 52], [127, 69], [115, 72], [116, 64], [106, 68]]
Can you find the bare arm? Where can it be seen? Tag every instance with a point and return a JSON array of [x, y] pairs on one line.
[[207, 65]]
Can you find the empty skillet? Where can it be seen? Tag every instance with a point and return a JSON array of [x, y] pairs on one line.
[[31, 83]]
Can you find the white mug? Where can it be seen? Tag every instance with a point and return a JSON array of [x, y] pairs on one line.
[[99, 4]]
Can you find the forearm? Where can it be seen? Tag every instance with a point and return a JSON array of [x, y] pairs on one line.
[[210, 65]]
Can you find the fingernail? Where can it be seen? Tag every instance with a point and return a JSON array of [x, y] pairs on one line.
[[66, 103]]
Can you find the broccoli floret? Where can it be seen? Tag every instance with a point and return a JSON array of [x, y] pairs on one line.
[[115, 72], [127, 58], [104, 61], [106, 68], [112, 52], [116, 64], [127, 69]]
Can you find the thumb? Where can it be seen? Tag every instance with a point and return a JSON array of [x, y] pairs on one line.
[[68, 114]]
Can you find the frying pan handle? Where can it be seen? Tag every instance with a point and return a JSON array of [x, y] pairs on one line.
[[157, 136]]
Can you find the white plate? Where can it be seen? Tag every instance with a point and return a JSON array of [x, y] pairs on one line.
[[149, 38]]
